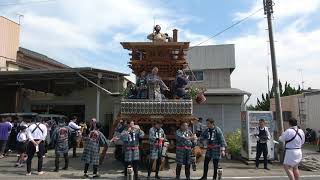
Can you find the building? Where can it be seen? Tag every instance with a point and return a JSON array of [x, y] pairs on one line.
[[33, 82], [304, 107], [9, 43], [212, 67]]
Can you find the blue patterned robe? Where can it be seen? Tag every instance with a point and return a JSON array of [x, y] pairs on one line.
[[181, 83], [155, 147], [92, 145], [131, 144], [155, 85], [183, 155], [61, 138], [215, 141]]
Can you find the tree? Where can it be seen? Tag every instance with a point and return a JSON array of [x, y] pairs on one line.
[[264, 103]]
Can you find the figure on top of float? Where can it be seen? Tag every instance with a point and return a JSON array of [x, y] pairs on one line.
[[157, 36]]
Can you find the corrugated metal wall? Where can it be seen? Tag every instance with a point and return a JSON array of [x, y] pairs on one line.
[[232, 117], [9, 40], [214, 78], [313, 111], [209, 111], [226, 116], [212, 57]]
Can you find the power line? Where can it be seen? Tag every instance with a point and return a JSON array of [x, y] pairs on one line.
[[229, 27], [24, 3], [220, 32]]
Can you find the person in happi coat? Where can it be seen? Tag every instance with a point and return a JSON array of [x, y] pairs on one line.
[[119, 152], [155, 85], [156, 140], [293, 138], [60, 139], [263, 136], [215, 148], [180, 84], [142, 86], [185, 140], [131, 138], [75, 133], [197, 127], [91, 151]]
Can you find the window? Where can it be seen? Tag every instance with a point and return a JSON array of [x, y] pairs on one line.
[[198, 75]]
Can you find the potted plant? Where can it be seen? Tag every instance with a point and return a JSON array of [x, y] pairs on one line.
[[197, 94], [233, 140]]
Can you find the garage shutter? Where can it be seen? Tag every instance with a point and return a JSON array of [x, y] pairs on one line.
[[209, 111], [231, 117]]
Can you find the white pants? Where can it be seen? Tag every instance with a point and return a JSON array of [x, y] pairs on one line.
[[292, 157]]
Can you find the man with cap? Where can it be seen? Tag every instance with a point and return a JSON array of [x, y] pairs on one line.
[[37, 133], [180, 84], [60, 140], [75, 132], [156, 140]]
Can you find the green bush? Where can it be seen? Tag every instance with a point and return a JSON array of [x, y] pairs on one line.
[[233, 142]]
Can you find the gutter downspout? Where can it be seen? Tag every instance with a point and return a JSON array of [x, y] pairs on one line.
[[98, 86]]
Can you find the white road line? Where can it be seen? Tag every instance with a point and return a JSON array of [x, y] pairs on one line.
[[267, 177]]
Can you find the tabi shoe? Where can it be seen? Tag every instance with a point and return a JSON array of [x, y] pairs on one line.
[[28, 174], [203, 178], [96, 176], [267, 169], [40, 173], [85, 176]]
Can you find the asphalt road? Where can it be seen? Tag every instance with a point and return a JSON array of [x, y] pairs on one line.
[[111, 169]]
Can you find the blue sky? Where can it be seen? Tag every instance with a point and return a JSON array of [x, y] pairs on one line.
[[87, 33]]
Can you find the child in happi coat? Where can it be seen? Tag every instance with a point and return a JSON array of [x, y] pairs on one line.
[[22, 139], [91, 152]]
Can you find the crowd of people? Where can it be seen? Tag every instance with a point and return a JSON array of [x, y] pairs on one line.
[[31, 138], [187, 137]]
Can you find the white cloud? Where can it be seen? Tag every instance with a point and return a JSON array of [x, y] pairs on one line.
[[283, 8], [296, 48], [195, 39]]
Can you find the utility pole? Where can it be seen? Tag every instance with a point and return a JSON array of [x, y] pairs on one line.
[[268, 10], [268, 81]]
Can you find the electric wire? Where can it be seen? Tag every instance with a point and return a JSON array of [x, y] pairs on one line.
[[25, 3]]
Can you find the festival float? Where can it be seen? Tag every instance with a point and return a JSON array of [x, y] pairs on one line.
[[158, 64]]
